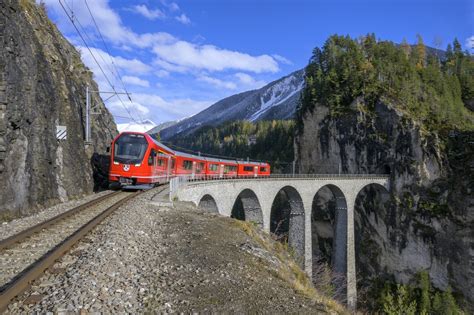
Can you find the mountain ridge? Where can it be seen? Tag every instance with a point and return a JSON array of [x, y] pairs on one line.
[[276, 100]]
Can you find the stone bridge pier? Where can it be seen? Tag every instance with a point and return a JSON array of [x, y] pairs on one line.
[[255, 199]]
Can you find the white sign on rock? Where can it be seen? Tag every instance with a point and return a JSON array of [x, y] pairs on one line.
[[61, 132]]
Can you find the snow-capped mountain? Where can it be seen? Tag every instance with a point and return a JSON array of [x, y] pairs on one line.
[[276, 100], [141, 126], [162, 126]]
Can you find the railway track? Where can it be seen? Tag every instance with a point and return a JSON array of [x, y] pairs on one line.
[[26, 255]]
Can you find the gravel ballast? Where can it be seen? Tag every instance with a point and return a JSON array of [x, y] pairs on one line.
[[152, 258], [10, 228]]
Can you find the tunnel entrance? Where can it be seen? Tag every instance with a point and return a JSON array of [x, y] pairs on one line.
[[208, 203], [247, 208], [329, 241], [287, 221], [372, 216]]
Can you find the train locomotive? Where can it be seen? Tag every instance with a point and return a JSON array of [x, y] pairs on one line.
[[139, 161]]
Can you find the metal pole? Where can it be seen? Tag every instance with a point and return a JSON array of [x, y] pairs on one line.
[[294, 166], [88, 106]]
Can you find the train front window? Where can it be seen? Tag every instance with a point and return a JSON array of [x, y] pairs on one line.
[[130, 148]]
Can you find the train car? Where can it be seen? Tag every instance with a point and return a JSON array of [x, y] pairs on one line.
[[188, 164], [139, 161], [264, 169]]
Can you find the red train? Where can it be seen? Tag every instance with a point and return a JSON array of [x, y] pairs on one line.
[[137, 159]]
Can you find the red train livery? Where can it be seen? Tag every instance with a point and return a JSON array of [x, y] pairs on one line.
[[137, 159]]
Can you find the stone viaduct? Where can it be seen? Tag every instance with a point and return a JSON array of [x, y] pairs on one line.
[[257, 196]]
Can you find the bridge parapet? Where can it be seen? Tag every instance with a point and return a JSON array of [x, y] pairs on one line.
[[179, 182]]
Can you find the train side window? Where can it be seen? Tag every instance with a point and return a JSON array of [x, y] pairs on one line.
[[230, 168], [199, 167], [173, 163], [213, 167], [161, 162], [188, 165], [248, 169], [151, 157], [263, 169]]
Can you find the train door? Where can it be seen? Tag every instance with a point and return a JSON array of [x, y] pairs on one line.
[[193, 174], [173, 166], [152, 161], [221, 171], [168, 169], [255, 171]]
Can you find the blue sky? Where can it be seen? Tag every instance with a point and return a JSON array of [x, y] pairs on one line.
[[178, 57]]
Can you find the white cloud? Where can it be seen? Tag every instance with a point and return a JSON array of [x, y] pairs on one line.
[[110, 24], [282, 59], [212, 58], [169, 67], [175, 107], [217, 83], [183, 19], [121, 109], [151, 14], [162, 73], [470, 42], [131, 66], [249, 81], [173, 6], [135, 81]]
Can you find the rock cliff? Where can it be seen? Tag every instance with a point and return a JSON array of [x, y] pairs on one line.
[[42, 85], [427, 222]]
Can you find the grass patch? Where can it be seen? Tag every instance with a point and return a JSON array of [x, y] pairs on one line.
[[7, 216], [288, 269]]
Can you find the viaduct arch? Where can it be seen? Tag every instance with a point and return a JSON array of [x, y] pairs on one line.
[[252, 200]]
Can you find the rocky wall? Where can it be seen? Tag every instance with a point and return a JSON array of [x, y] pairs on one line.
[[42, 85], [427, 222]]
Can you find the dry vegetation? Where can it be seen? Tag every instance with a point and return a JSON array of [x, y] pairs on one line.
[[289, 270]]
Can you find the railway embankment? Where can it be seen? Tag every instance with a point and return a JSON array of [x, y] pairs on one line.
[[151, 256]]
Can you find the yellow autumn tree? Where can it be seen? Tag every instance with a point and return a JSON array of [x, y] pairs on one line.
[[420, 52]]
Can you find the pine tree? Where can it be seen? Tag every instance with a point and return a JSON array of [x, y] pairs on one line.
[[425, 286], [420, 52], [437, 305], [449, 306], [449, 52], [406, 48], [399, 303], [457, 48]]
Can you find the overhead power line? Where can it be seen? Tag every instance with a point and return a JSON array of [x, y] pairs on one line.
[[95, 59], [110, 57], [107, 50]]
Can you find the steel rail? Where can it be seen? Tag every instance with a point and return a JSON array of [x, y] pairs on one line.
[[20, 283], [9, 241]]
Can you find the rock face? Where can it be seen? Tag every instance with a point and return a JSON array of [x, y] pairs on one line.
[[42, 85], [427, 221], [276, 100]]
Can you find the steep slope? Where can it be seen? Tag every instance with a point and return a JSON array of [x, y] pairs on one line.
[[277, 100], [42, 85]]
